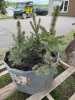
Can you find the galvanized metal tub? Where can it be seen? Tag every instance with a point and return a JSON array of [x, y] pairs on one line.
[[28, 81]]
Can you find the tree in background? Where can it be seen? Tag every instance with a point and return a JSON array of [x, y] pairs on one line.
[[13, 4], [2, 7]]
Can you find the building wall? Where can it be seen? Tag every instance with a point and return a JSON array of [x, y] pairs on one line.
[[71, 8], [10, 11]]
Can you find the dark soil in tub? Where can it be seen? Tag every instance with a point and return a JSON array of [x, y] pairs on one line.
[[27, 63]]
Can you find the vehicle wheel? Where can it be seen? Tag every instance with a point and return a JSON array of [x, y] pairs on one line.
[[24, 16], [34, 14], [15, 17], [44, 14]]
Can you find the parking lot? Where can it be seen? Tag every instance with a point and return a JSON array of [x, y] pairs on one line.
[[8, 27]]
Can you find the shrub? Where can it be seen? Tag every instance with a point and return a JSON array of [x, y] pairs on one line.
[[39, 44]]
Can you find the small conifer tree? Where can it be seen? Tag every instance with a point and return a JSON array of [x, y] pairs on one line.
[[48, 37], [35, 27], [25, 45], [2, 6], [18, 52], [54, 19]]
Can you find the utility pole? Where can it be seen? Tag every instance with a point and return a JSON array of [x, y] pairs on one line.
[[50, 8]]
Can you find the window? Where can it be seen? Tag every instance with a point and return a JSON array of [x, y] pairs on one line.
[[63, 5]]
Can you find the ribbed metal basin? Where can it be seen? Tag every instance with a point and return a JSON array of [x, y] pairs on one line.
[[28, 81]]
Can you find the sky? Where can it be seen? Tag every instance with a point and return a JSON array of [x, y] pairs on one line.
[[35, 1]]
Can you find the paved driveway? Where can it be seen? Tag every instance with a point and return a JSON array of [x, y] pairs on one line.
[[8, 27]]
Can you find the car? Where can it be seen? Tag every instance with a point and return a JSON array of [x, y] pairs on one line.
[[42, 12], [24, 10]]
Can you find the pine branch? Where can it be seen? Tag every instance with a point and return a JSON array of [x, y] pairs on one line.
[[19, 51], [32, 27], [36, 28], [34, 21], [43, 30], [18, 28], [54, 18]]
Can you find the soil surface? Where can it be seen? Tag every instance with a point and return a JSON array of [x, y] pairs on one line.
[[27, 63]]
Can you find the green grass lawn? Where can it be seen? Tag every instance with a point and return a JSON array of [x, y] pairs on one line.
[[5, 17], [2, 52], [1, 55], [62, 92], [65, 90], [17, 95], [4, 80]]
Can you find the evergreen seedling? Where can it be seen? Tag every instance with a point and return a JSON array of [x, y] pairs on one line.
[[35, 27], [38, 46], [18, 52], [48, 38]]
